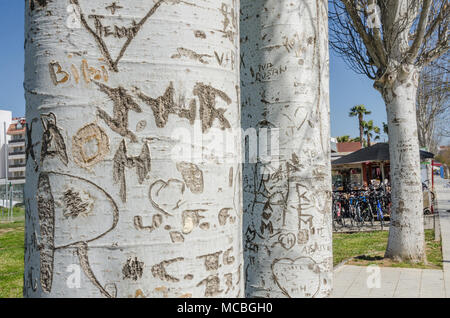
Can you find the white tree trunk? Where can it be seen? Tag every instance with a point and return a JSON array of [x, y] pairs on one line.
[[287, 200], [112, 88], [406, 233]]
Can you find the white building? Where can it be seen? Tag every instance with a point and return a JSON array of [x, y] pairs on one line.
[[5, 121], [12, 156], [16, 152]]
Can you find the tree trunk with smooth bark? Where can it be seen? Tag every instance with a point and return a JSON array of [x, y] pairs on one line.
[[117, 94], [287, 198], [399, 94]]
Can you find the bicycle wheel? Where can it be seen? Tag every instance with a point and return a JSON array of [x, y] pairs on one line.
[[359, 220], [369, 215], [337, 221]]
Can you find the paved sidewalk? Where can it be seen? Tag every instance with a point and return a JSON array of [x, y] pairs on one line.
[[442, 187], [388, 282]]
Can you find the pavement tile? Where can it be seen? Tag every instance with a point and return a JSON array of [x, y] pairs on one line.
[[351, 281]]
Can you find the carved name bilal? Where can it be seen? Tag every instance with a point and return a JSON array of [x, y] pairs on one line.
[[61, 75]]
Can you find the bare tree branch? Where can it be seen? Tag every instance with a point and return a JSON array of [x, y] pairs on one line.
[[420, 34]]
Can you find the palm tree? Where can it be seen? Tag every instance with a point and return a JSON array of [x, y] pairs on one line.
[[385, 128], [359, 111], [345, 138], [369, 127]]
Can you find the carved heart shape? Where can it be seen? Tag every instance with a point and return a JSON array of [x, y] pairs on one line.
[[102, 45], [287, 240], [297, 278]]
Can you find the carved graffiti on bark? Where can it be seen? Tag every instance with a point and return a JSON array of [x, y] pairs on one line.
[[113, 64], [298, 277], [207, 96], [90, 145], [159, 270], [29, 151], [192, 176], [46, 212], [165, 105], [133, 269], [142, 163], [53, 144], [123, 103]]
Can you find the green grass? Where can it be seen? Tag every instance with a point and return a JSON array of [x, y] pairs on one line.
[[11, 259], [364, 248], [18, 214], [367, 248]]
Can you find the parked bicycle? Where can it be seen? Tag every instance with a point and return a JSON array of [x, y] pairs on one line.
[[361, 207]]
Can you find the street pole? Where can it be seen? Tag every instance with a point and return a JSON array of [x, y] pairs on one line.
[[6, 164], [10, 201], [432, 185]]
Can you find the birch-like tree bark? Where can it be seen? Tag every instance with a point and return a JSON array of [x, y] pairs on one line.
[[390, 42], [287, 193], [406, 232], [116, 91]]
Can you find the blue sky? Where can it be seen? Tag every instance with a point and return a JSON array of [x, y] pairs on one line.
[[346, 87]]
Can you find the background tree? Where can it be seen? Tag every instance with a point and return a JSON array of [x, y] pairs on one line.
[[345, 138], [369, 130], [390, 42], [444, 156], [359, 111], [116, 206], [433, 104], [287, 197]]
